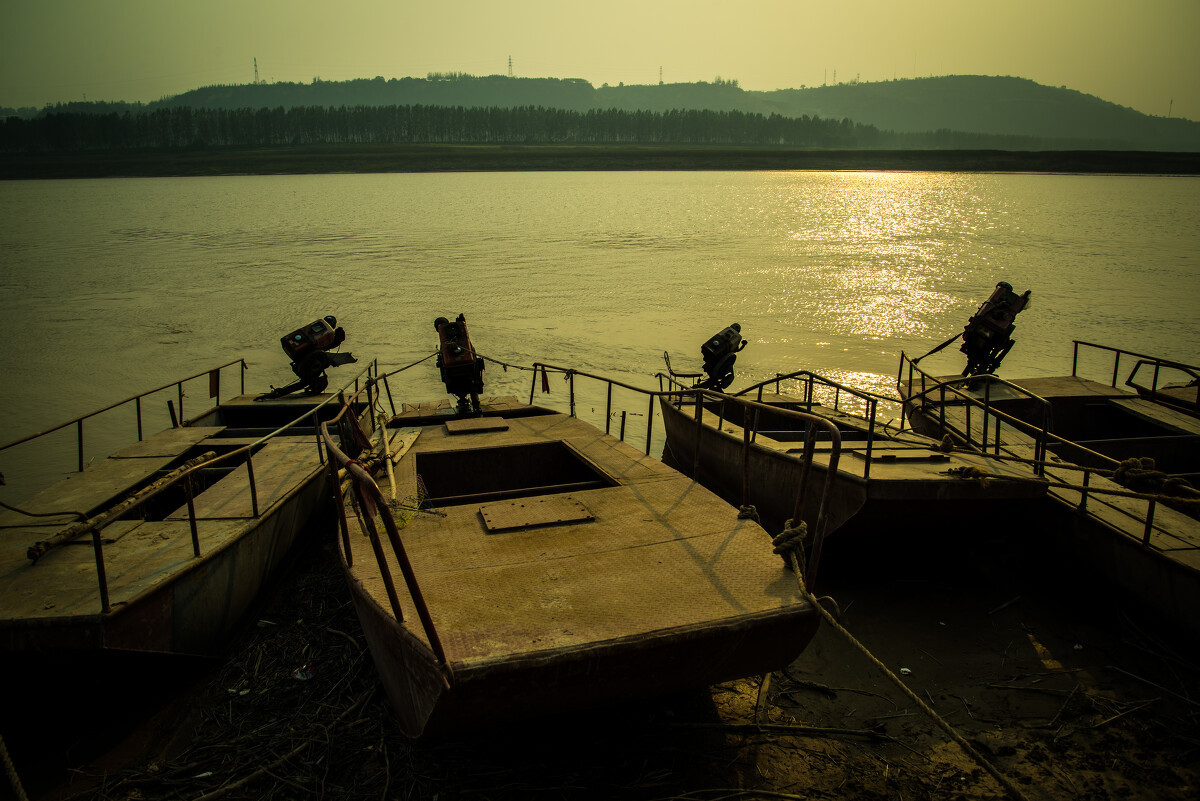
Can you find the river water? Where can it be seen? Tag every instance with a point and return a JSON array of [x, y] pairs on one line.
[[111, 287]]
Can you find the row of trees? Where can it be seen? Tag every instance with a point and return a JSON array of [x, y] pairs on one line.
[[192, 128]]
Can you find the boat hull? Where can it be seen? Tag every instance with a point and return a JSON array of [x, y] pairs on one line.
[[561, 570], [1155, 569]]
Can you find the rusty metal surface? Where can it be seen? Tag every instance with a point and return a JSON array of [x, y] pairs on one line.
[[661, 587], [532, 512], [661, 554], [475, 425]]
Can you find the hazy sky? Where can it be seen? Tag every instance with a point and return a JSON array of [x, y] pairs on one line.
[[1139, 53]]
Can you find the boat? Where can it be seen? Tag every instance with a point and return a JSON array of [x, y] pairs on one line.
[[1122, 465], [158, 551], [750, 447], [509, 561]]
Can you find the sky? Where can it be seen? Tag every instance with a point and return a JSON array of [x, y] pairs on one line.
[[1144, 54]]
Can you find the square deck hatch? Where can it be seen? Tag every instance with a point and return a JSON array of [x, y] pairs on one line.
[[503, 472]]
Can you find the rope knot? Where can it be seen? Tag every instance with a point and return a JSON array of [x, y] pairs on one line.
[[947, 444], [971, 472], [748, 512], [791, 541]]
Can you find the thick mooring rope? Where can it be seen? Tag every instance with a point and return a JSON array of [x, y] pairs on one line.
[[11, 770], [787, 544]]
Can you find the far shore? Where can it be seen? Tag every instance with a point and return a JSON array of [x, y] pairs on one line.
[[514, 158]]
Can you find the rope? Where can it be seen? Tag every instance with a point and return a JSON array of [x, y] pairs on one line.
[[748, 512], [11, 770], [787, 545], [790, 541], [405, 367], [79, 515], [1171, 483], [1140, 472]]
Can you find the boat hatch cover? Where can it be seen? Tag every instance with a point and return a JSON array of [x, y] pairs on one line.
[[902, 456], [476, 425], [533, 512]]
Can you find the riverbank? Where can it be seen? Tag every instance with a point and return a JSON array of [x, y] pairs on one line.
[[1063, 693], [506, 158]]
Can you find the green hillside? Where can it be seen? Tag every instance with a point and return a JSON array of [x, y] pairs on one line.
[[1031, 115]]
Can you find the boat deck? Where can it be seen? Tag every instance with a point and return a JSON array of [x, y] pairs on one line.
[[511, 578], [1173, 533], [139, 555]]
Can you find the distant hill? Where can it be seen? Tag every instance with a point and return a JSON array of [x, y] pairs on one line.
[[1031, 115]]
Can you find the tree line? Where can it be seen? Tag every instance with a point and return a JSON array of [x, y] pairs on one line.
[[187, 128]]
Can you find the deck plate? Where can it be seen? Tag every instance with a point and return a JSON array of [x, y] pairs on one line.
[[530, 512]]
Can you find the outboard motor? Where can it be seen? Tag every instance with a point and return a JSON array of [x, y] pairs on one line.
[[309, 349], [462, 370], [719, 353], [987, 336]]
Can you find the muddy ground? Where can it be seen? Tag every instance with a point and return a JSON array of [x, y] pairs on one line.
[[1057, 686]]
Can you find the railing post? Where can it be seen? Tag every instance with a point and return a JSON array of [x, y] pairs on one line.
[[79, 442], [941, 403], [336, 493], [987, 409], [608, 407], [1116, 367], [571, 381], [243, 372], [1149, 522], [872, 404], [699, 433], [188, 490], [746, 428], [98, 546], [970, 434], [171, 411], [392, 403], [253, 488], [137, 402], [1075, 359], [180, 387], [1083, 492], [649, 423], [622, 425]]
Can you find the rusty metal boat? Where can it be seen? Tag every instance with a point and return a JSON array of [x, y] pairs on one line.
[[754, 446], [156, 552], [1122, 464], [508, 560]]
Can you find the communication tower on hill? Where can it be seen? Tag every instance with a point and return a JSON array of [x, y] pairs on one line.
[[510, 66], [256, 70]]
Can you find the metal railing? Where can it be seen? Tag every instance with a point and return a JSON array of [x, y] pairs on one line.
[[919, 388], [1151, 391], [865, 420], [371, 504], [184, 475], [751, 410], [369, 501], [214, 384]]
